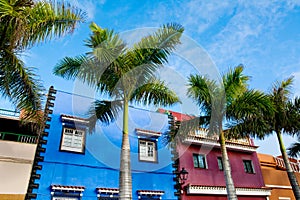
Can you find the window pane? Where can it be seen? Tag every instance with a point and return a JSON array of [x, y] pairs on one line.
[[220, 163], [248, 166], [199, 161], [143, 149], [150, 149], [195, 158]]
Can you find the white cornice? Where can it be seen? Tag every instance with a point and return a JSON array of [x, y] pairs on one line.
[[150, 192], [108, 190], [67, 188], [215, 190], [215, 143], [147, 133], [74, 119], [279, 186]]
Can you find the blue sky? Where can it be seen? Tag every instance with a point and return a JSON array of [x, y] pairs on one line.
[[263, 35]]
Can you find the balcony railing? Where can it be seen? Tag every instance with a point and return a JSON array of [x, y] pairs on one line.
[[18, 137], [10, 113], [280, 163], [201, 137], [203, 133]]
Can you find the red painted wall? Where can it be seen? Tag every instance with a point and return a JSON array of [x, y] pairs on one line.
[[215, 177]]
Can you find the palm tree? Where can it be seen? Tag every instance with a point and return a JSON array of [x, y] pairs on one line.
[[285, 120], [224, 107], [126, 75], [23, 24]]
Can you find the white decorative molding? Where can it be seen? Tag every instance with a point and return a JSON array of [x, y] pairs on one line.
[[279, 186], [108, 190], [74, 119], [284, 198], [147, 132], [150, 192], [213, 142], [218, 190], [67, 188]]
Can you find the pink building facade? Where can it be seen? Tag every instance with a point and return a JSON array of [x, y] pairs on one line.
[[200, 156]]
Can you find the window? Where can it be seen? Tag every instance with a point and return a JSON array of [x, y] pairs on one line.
[[199, 161], [220, 163], [73, 140], [248, 166], [147, 150]]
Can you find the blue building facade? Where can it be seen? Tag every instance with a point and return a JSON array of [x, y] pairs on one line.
[[72, 164]]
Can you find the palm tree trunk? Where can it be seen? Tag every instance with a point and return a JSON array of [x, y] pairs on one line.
[[231, 193], [290, 173], [125, 180]]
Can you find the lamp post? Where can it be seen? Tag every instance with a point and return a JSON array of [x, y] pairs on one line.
[[183, 176]]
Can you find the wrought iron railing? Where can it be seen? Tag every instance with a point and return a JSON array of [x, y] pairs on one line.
[[18, 137]]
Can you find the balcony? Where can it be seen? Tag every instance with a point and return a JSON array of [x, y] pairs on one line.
[[200, 137], [18, 137], [294, 165]]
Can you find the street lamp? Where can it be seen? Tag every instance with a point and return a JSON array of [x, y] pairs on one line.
[[183, 175]]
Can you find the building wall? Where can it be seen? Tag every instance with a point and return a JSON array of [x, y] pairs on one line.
[[15, 166], [275, 178], [215, 177], [99, 165], [212, 176]]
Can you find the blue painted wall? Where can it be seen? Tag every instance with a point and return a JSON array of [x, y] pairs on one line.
[[99, 166]]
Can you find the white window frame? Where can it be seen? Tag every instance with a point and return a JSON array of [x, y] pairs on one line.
[[72, 140], [147, 150], [203, 156]]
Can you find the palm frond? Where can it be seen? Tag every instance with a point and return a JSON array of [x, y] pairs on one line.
[[46, 20], [249, 104], [153, 50], [68, 67], [201, 90], [282, 89], [257, 127], [247, 115], [294, 150], [26, 23], [292, 125], [235, 82], [156, 93], [19, 84], [105, 111]]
